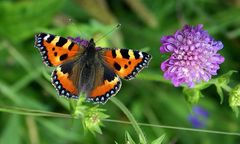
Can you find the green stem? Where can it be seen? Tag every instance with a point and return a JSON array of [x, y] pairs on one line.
[[227, 88], [76, 107], [153, 76], [29, 112], [131, 118], [32, 112]]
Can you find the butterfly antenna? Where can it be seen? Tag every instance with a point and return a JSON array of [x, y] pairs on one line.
[[77, 30], [104, 35]]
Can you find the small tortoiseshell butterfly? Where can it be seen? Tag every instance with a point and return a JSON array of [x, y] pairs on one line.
[[82, 67]]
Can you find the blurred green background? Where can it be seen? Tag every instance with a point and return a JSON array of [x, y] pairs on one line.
[[24, 79]]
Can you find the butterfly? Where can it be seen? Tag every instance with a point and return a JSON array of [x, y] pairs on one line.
[[83, 67]]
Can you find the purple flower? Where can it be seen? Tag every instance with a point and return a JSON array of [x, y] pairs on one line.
[[194, 56], [200, 111], [196, 123], [79, 41], [198, 117]]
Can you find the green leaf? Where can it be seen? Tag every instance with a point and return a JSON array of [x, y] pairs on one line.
[[128, 139], [131, 118], [11, 132], [225, 78], [153, 76], [7, 92], [58, 130], [220, 93], [21, 19], [159, 140], [235, 110], [192, 95]]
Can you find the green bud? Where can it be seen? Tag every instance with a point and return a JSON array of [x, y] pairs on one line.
[[192, 95], [234, 99], [93, 119], [225, 78], [92, 123]]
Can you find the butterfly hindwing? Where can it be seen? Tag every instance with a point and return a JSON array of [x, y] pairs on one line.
[[125, 62], [55, 50], [63, 82], [109, 86], [68, 81]]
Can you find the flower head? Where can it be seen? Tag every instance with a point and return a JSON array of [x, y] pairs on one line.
[[79, 41], [194, 56], [196, 123], [199, 111], [198, 117]]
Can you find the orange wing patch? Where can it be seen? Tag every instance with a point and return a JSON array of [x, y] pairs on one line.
[[109, 87], [126, 63], [55, 49], [63, 84]]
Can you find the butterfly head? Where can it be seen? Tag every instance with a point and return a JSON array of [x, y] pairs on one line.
[[91, 43], [90, 49]]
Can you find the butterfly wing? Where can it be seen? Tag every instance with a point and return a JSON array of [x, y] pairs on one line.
[[65, 79], [55, 49], [106, 84], [126, 63], [101, 83]]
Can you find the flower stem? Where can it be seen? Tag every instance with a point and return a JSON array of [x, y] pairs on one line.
[[131, 118], [227, 88], [76, 107], [153, 76]]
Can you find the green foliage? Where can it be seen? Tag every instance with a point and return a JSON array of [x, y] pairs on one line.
[[192, 95], [21, 19], [222, 83], [12, 129], [159, 140], [128, 139], [31, 111], [234, 99]]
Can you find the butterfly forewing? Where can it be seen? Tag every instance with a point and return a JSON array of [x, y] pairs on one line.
[[55, 50], [125, 62]]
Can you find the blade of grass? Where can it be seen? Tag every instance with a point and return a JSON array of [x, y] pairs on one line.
[[131, 118], [153, 76], [29, 112], [6, 91], [17, 110], [31, 76], [11, 132], [32, 130], [62, 132]]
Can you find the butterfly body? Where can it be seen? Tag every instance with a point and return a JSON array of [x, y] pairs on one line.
[[81, 67]]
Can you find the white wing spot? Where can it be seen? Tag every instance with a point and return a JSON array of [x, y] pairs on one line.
[[46, 37], [141, 55], [112, 92]]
